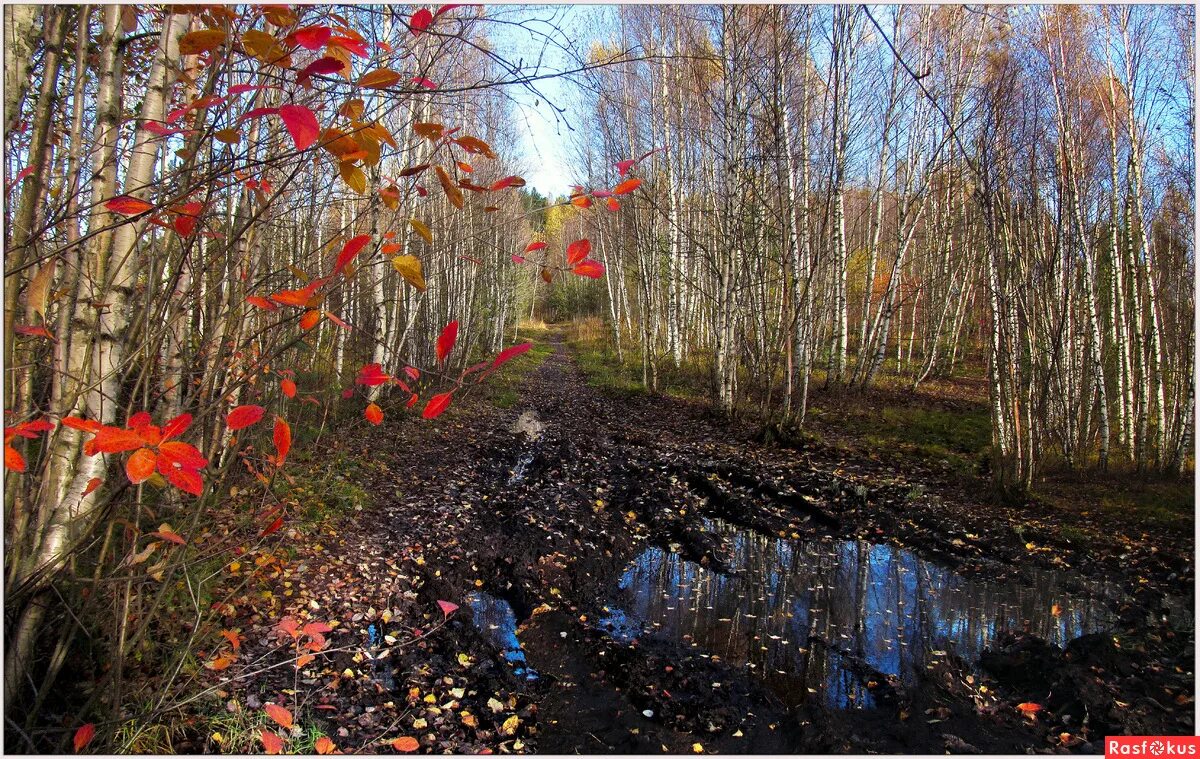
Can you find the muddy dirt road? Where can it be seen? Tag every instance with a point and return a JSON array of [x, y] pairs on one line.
[[636, 575]]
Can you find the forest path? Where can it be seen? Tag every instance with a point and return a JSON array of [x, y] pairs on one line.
[[670, 583]]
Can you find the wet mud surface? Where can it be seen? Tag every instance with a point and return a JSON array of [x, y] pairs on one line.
[[636, 575]]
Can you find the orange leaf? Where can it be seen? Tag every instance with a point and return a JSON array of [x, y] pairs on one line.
[[13, 460], [288, 386], [373, 413], [406, 744], [581, 201], [83, 736], [310, 319], [577, 251], [201, 41], [93, 483], [165, 532], [453, 194], [140, 465], [115, 440], [446, 341], [283, 440], [272, 743], [324, 746], [234, 639], [589, 268], [379, 78], [303, 660], [261, 302], [281, 715], [244, 416], [1029, 709], [628, 186], [127, 206], [437, 404]]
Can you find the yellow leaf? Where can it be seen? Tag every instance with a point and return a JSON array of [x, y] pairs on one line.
[[352, 109], [422, 230], [265, 48], [410, 268], [39, 288], [353, 176], [333, 51], [469, 719], [510, 725], [337, 142], [228, 136], [379, 78], [429, 130], [201, 41]]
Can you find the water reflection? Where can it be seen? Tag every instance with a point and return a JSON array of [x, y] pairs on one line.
[[495, 618], [828, 617]]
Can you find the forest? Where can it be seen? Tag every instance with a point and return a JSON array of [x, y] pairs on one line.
[[598, 379]]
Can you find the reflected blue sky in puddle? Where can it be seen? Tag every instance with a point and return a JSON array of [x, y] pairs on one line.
[[873, 604], [495, 618]]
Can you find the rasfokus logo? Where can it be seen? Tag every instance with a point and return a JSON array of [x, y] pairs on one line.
[[1151, 745]]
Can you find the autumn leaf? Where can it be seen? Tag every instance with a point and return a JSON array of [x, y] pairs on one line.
[[447, 608], [534, 246], [374, 414], [312, 37], [271, 528], [165, 532], [324, 745], [421, 81], [378, 79], [301, 124], [589, 268], [577, 251], [613, 204], [13, 460], [446, 340], [510, 353], [127, 205], [310, 319], [140, 465], [272, 743], [1029, 709], [353, 176], [507, 182], [321, 67], [38, 291], [283, 440], [349, 251], [83, 736], [261, 302], [281, 715], [437, 404], [628, 186], [518, 259], [406, 744], [581, 201], [410, 268], [289, 386], [453, 194], [422, 230], [244, 416], [371, 375], [93, 483], [420, 21], [474, 145], [265, 48], [201, 41]]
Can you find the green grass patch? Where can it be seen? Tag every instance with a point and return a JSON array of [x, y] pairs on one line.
[[961, 437], [504, 386], [1167, 503]]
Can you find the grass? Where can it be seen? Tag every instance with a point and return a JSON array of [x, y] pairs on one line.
[[504, 386], [591, 344], [961, 437]]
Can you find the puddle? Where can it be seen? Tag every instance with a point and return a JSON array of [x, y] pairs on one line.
[[872, 604], [529, 425], [495, 618]]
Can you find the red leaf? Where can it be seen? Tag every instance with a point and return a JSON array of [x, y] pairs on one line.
[[508, 182], [589, 268], [273, 527], [447, 607], [140, 465], [238, 89], [374, 414], [93, 483], [22, 329], [446, 341], [177, 426], [413, 373], [186, 480], [423, 82], [244, 416], [320, 67], [511, 353], [349, 251], [272, 743], [301, 124], [437, 404], [166, 533], [288, 387], [261, 302], [358, 47], [25, 172], [624, 166], [87, 425], [333, 318], [531, 247], [518, 259], [175, 454], [127, 206], [282, 716], [257, 112], [371, 375], [420, 21], [628, 186], [578, 250], [312, 37], [613, 204], [115, 440], [83, 736], [310, 319], [283, 440]]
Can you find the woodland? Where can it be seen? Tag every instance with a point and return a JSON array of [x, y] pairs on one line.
[[840, 400]]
